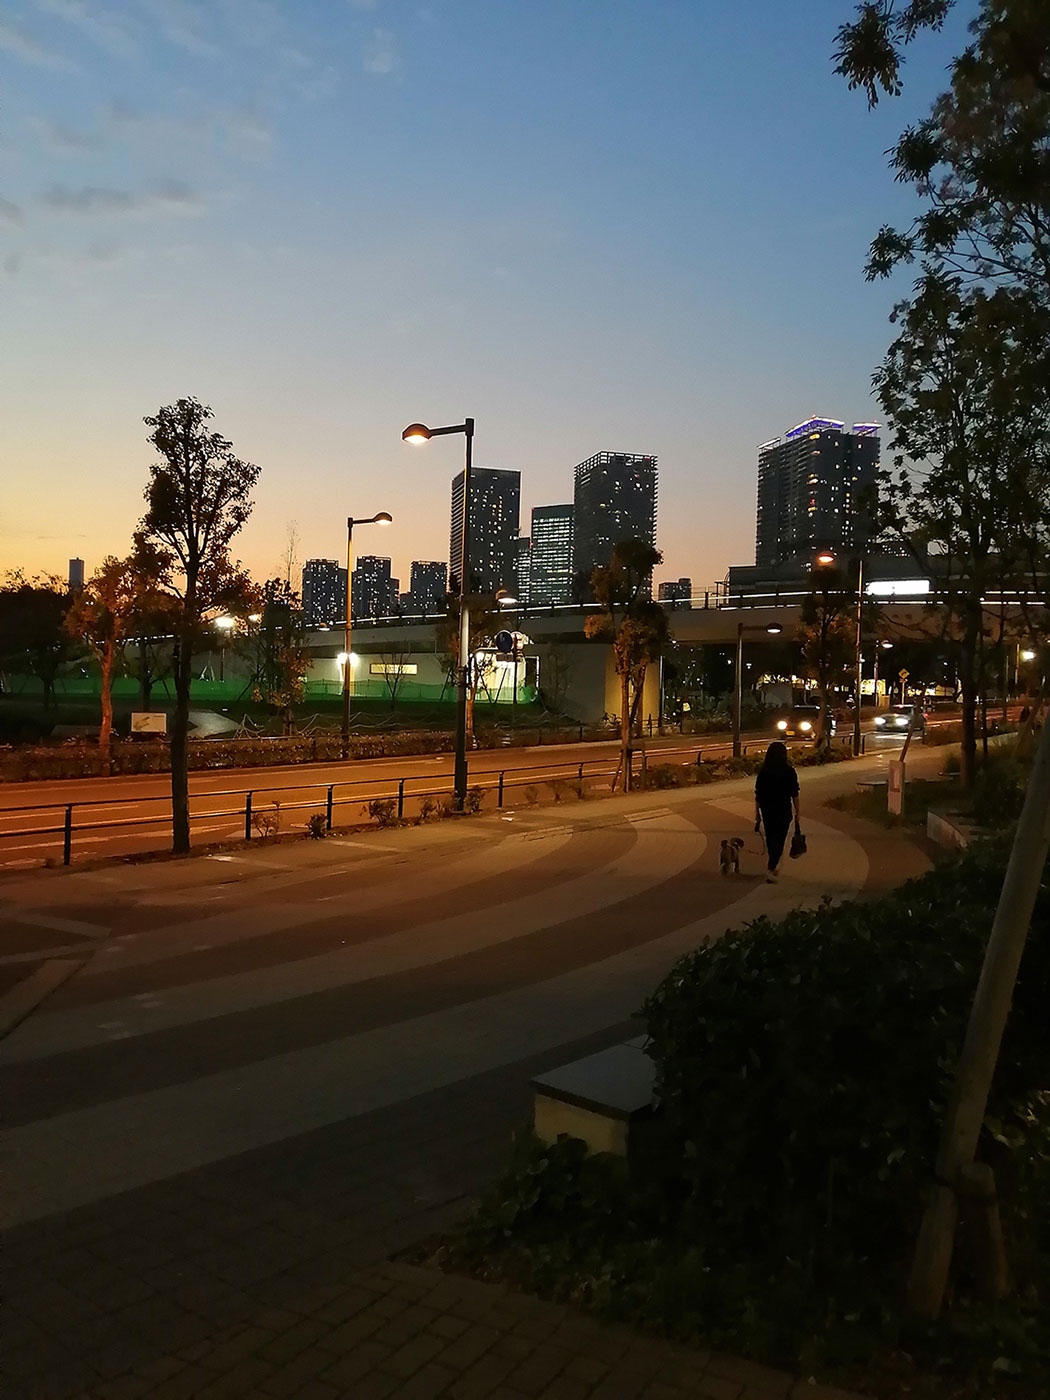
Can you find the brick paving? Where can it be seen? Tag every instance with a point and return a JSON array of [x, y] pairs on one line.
[[409, 1333]]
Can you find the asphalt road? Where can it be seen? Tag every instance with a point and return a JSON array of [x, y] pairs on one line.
[[130, 814]]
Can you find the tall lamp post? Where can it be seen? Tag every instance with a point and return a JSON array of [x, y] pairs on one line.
[[419, 433], [382, 518], [826, 558], [773, 629]]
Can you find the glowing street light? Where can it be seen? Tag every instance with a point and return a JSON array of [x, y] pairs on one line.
[[826, 557], [420, 433]]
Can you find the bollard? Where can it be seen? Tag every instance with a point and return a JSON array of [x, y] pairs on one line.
[[328, 809], [581, 733], [580, 773], [400, 798], [248, 817], [67, 836], [499, 792]]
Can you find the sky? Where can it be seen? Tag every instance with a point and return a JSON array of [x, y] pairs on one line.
[[625, 225]]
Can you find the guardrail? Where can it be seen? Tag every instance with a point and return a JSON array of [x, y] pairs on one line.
[[252, 807]]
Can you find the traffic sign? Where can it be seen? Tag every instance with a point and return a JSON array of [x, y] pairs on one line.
[[903, 674]]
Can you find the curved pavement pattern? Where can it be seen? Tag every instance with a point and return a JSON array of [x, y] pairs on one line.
[[270, 1070]]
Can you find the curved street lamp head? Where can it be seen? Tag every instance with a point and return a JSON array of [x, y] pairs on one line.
[[505, 598], [774, 629], [825, 557], [383, 518], [416, 432]]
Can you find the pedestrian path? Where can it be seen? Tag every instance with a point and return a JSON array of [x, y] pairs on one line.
[[266, 1080]]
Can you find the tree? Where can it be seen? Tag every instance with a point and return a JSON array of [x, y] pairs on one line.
[[198, 498], [394, 673], [966, 392], [978, 161], [827, 634], [104, 615], [32, 626], [281, 658], [636, 627]]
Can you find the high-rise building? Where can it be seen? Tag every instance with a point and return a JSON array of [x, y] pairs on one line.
[[323, 599], [428, 587], [614, 500], [374, 591], [495, 499], [816, 490], [76, 575], [678, 592], [551, 573], [523, 570]]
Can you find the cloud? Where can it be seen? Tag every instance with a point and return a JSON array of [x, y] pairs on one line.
[[64, 139], [21, 45], [103, 27], [381, 55], [9, 213], [93, 200], [182, 24]]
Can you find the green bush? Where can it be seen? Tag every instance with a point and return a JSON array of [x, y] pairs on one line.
[[998, 793], [804, 1065]]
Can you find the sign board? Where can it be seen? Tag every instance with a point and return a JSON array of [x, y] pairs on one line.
[[903, 674], [147, 722], [895, 788]]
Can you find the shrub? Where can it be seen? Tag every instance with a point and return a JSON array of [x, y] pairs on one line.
[[665, 775], [427, 807], [268, 823], [473, 799], [998, 793], [530, 793], [317, 826], [382, 810], [804, 1065]]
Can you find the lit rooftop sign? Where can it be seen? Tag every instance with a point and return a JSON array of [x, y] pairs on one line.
[[811, 424]]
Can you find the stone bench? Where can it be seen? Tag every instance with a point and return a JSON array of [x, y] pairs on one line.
[[598, 1098]]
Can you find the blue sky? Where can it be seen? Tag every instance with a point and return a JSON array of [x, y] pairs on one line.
[[590, 224]]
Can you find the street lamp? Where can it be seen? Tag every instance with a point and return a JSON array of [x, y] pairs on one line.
[[225, 626], [773, 629], [420, 433], [826, 557], [382, 518]]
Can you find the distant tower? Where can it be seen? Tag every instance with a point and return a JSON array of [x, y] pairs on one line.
[[495, 499], [523, 570], [614, 500], [323, 601], [428, 587], [373, 592], [678, 592], [552, 536], [76, 575], [816, 489]]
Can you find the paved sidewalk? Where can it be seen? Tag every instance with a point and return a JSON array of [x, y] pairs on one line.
[[398, 1332]]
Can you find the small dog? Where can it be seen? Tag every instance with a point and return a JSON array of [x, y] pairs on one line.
[[730, 857]]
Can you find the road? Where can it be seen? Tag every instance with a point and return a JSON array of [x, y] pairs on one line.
[[258, 1074], [32, 815]]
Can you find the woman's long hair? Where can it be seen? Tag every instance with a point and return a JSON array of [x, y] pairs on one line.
[[776, 759]]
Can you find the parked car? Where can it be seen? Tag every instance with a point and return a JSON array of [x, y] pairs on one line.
[[896, 719], [803, 722]]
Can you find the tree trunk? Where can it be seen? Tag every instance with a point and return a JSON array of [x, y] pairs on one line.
[[625, 732], [180, 729], [105, 730], [968, 677], [145, 676]]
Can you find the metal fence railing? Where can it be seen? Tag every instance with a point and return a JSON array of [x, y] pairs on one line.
[[251, 807]]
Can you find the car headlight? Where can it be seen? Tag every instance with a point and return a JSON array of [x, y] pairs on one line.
[[805, 726], [782, 724], [880, 719], [901, 721]]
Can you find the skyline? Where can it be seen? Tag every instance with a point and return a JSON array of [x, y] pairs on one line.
[[385, 213]]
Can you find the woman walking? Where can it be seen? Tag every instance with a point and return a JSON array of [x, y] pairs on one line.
[[776, 798]]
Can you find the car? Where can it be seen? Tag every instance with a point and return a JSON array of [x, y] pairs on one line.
[[897, 718], [803, 722]]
